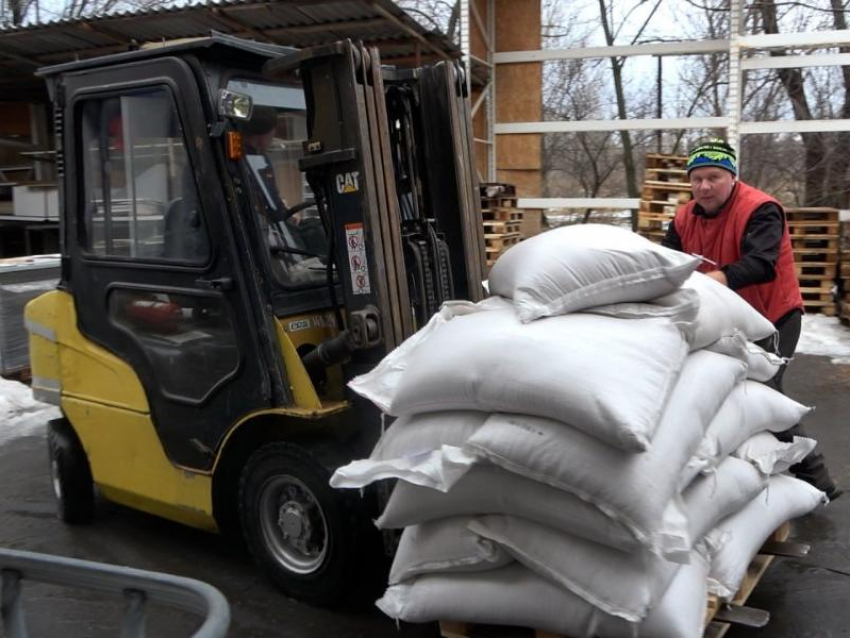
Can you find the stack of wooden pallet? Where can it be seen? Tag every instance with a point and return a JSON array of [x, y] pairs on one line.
[[815, 240], [844, 274], [502, 219], [665, 188]]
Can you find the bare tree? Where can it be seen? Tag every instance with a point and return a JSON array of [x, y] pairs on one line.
[[27, 11], [606, 19], [826, 159], [439, 15]]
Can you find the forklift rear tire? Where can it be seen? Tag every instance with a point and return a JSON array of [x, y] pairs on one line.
[[70, 474], [312, 540]]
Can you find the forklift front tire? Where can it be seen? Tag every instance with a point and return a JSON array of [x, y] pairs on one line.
[[309, 538], [70, 474]]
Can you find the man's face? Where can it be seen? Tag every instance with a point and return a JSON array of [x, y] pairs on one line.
[[711, 186]]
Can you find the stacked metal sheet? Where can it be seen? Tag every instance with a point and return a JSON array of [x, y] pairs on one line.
[[21, 280]]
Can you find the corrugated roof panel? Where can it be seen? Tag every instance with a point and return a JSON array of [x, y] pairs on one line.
[[294, 24]]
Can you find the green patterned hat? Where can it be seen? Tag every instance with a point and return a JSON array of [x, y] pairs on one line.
[[715, 152]]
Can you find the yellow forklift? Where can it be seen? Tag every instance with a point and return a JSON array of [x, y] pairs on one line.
[[246, 227]]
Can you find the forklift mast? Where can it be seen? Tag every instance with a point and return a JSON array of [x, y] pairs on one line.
[[389, 159]]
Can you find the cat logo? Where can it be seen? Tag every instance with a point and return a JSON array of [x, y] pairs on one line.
[[348, 182]]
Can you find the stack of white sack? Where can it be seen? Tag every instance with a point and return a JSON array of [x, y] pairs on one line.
[[586, 452]]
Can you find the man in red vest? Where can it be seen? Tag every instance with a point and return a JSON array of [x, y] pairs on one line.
[[741, 234]]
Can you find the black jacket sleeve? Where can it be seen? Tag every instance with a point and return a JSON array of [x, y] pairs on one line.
[[759, 249], [672, 239]]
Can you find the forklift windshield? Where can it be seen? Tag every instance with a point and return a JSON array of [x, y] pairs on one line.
[[288, 220]]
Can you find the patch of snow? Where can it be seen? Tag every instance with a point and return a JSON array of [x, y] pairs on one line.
[[20, 414], [825, 336]]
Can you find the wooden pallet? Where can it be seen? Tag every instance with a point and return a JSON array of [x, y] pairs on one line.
[[757, 569], [819, 228], [499, 243], [666, 174], [489, 203], [664, 190], [827, 243], [828, 215], [665, 160], [807, 270], [818, 255], [502, 227], [821, 286], [501, 214]]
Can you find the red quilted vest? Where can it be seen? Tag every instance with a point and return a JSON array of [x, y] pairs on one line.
[[719, 239]]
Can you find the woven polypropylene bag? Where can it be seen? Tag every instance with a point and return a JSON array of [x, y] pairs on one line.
[[424, 449], [738, 537], [608, 377], [444, 545], [576, 267], [636, 489], [488, 489]]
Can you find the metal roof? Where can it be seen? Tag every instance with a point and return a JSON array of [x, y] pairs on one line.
[[297, 23]]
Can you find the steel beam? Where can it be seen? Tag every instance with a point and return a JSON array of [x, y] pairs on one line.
[[796, 61], [571, 126], [578, 202]]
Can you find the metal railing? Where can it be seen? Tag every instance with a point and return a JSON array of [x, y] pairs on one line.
[[138, 587]]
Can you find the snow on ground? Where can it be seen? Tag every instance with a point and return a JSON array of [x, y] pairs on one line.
[[825, 336], [20, 414]]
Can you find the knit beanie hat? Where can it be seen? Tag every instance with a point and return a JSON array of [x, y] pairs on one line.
[[715, 152]]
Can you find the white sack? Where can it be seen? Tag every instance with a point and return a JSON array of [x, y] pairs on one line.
[[423, 449], [619, 583], [488, 489], [738, 538], [681, 307], [635, 489], [711, 498], [444, 545], [772, 456], [679, 614], [761, 364], [575, 267], [608, 377], [379, 384], [752, 407], [516, 596], [512, 595], [722, 312]]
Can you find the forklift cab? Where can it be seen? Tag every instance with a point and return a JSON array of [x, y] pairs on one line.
[[245, 228]]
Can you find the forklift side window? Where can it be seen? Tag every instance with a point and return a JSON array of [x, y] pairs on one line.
[[140, 196], [189, 338]]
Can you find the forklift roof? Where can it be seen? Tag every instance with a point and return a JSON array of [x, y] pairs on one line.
[[218, 45]]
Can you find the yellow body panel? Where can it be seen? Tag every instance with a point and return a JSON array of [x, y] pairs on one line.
[[302, 388], [85, 370], [130, 467], [104, 400], [297, 331]]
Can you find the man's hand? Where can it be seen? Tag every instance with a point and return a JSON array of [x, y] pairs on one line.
[[718, 275]]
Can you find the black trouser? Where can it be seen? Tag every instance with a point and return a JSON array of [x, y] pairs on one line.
[[811, 468]]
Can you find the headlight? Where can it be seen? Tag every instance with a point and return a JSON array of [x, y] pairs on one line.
[[236, 105]]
